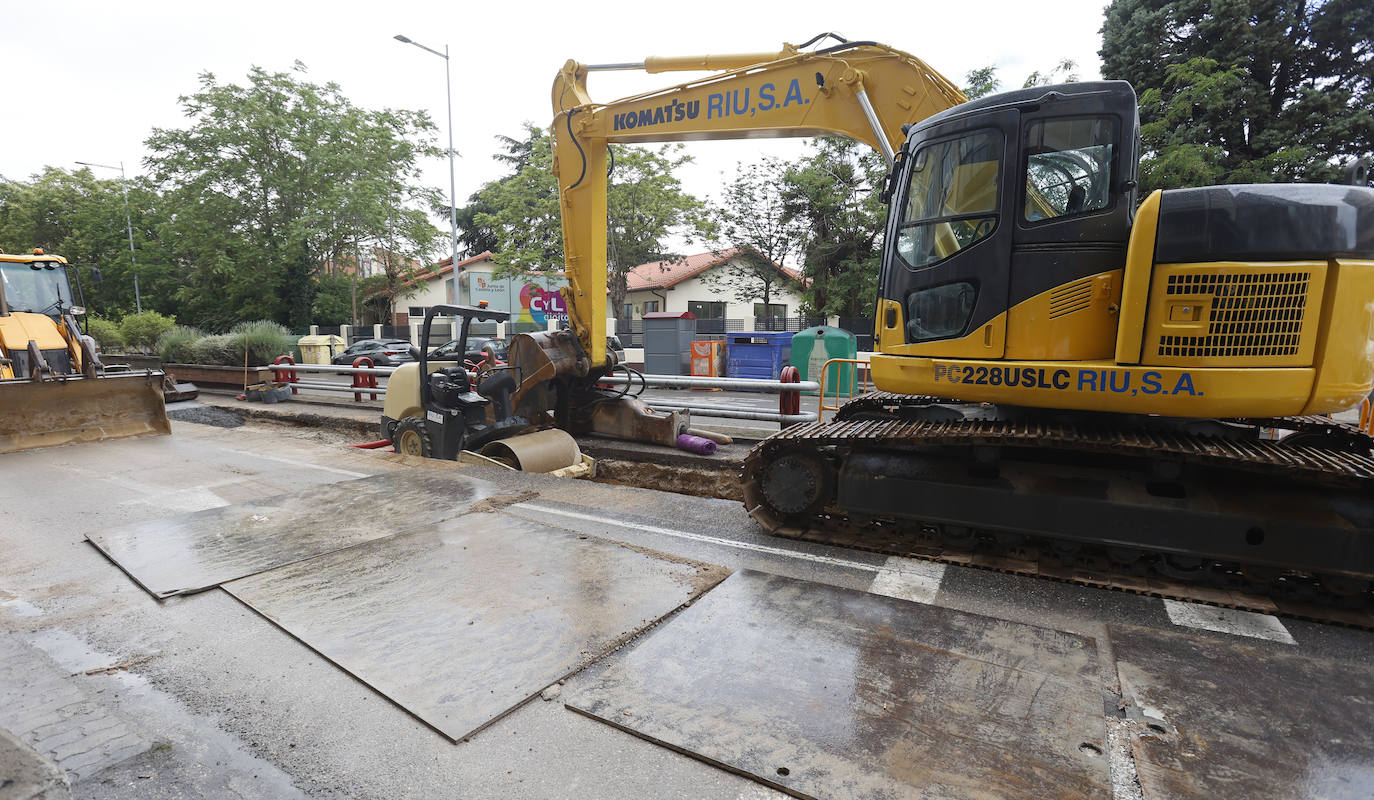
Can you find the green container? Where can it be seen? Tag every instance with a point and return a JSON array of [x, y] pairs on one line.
[[814, 346]]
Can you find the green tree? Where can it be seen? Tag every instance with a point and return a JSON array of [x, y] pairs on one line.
[[518, 218], [984, 81], [274, 178], [1247, 90], [80, 217], [1063, 72], [750, 217], [645, 205], [981, 81], [333, 301], [833, 193]]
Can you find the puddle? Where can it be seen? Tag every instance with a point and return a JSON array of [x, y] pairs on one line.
[[191, 739], [20, 607]]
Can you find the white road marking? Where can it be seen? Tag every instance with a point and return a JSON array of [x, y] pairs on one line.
[[909, 579], [696, 537], [303, 464], [1228, 620]]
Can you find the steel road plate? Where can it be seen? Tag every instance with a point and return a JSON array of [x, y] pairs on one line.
[[828, 692], [198, 551], [460, 622], [1223, 720]]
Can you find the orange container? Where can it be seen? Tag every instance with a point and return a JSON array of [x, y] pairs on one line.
[[708, 359]]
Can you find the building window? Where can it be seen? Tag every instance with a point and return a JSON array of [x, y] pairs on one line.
[[706, 310], [418, 313], [774, 310], [627, 311], [650, 306]]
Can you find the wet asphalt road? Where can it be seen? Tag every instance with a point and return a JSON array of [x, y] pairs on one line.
[[217, 701]]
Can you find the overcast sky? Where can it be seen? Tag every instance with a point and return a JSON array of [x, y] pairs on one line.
[[88, 81]]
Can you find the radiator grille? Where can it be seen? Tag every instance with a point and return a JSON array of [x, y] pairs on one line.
[[1071, 297], [1251, 314]]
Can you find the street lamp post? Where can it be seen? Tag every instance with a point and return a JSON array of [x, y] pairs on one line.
[[128, 225], [452, 194]]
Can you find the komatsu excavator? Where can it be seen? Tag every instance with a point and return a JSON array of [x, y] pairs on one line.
[[1064, 372], [53, 387]]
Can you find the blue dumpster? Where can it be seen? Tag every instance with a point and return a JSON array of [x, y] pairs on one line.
[[757, 354]]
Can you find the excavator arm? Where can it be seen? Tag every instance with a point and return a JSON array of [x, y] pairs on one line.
[[861, 90]]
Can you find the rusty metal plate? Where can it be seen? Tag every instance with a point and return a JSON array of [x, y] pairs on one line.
[[198, 551], [463, 621], [1222, 720], [828, 692]]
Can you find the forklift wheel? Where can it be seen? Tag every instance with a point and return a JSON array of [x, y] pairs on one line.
[[412, 438]]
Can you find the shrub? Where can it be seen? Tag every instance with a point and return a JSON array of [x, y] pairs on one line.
[[264, 340], [142, 331], [104, 331], [175, 346], [219, 348]]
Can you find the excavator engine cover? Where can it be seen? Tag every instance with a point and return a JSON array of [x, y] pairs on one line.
[[75, 409]]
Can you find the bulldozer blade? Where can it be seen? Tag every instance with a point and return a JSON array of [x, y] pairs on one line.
[[76, 409], [173, 392]]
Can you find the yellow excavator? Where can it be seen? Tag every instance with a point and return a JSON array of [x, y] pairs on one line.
[[53, 387], [1065, 373]]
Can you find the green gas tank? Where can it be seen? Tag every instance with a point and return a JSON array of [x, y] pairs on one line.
[[813, 347]]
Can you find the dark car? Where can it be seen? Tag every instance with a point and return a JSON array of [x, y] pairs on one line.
[[473, 352], [383, 352], [613, 344]]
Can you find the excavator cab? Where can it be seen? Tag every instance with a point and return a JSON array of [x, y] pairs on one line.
[[1001, 200], [1021, 270]]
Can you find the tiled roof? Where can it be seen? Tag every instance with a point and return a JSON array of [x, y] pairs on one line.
[[667, 274], [445, 266]]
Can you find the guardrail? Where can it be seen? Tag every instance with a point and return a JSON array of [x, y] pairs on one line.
[[788, 389], [840, 379]]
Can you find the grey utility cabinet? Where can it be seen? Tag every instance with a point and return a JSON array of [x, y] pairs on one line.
[[668, 339]]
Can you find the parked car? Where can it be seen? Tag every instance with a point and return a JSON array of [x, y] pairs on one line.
[[473, 352], [383, 352], [613, 344]]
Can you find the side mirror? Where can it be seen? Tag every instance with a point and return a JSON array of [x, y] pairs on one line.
[[1357, 174], [414, 352]]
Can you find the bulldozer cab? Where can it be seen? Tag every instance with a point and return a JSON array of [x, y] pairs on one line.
[[35, 286], [53, 388], [999, 200]]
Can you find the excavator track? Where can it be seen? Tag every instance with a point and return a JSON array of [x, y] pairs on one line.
[[826, 482]]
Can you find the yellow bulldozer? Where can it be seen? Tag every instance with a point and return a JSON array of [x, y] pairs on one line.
[[53, 387]]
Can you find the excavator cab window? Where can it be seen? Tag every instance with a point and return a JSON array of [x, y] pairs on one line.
[[951, 198], [1068, 167]]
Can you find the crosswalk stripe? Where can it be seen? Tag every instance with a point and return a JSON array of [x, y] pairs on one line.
[[909, 579], [1228, 620]]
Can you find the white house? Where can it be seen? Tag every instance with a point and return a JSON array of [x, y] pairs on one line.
[[532, 300], [673, 285], [687, 285]]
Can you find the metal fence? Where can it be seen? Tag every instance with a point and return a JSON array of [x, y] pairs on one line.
[[708, 329]]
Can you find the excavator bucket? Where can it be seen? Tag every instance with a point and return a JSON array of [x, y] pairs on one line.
[[77, 409]]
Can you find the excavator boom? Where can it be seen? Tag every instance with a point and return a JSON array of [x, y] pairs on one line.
[[861, 90]]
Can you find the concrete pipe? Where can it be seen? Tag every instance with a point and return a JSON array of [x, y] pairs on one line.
[[542, 451]]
